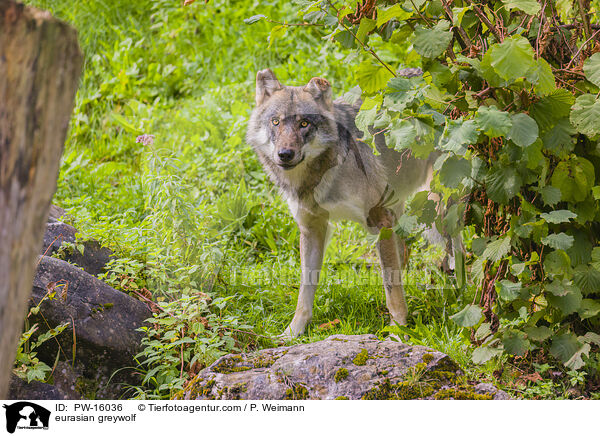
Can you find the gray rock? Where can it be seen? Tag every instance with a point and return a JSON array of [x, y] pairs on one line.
[[94, 257], [490, 389], [21, 390], [339, 367], [55, 213], [68, 381], [105, 322]]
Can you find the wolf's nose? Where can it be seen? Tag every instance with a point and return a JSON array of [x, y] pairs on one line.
[[285, 155]]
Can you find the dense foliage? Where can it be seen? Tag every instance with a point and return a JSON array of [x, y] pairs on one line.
[[200, 232], [509, 96]]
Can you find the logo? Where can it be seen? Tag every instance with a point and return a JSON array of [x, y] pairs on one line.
[[26, 415]]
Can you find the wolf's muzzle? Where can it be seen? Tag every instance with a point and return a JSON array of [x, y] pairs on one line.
[[290, 164], [286, 155]]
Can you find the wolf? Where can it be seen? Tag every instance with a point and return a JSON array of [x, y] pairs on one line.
[[307, 144]]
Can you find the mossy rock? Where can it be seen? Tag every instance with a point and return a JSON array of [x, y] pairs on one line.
[[341, 374], [296, 392], [403, 390], [361, 358], [461, 394], [351, 367]]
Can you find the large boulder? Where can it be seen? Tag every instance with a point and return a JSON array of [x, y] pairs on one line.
[[59, 240], [21, 390], [102, 320], [339, 367]]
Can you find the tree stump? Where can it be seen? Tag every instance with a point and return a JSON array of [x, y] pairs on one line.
[[40, 65]]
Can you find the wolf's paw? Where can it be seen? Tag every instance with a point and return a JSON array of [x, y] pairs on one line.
[[291, 332], [287, 335], [398, 320]]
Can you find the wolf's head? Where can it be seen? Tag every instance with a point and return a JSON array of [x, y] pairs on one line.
[[291, 125]]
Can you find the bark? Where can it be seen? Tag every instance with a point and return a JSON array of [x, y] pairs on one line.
[[40, 65]]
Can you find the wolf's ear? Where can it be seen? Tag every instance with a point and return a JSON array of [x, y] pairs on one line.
[[266, 84], [320, 89]]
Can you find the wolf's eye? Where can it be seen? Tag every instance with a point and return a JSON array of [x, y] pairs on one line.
[[275, 121], [303, 123]]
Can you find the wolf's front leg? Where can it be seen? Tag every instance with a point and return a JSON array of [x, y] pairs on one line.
[[392, 279], [313, 235]]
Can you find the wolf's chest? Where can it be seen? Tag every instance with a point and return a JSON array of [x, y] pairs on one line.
[[346, 208]]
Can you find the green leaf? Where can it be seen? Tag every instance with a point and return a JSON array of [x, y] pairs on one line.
[[385, 233], [530, 7], [502, 183], [395, 11], [564, 346], [574, 178], [511, 59], [585, 115], [542, 78], [596, 258], [517, 269], [550, 195], [557, 262], [254, 18], [365, 118], [423, 208], [533, 157], [478, 270], [345, 38], [483, 331], [558, 216], [485, 353], [478, 170], [453, 171], [589, 308], [568, 303], [453, 221], [276, 33], [591, 68], [431, 43], [493, 122], [402, 135], [38, 372], [515, 342], [538, 334], [560, 241], [581, 251], [576, 361], [508, 290], [590, 337], [424, 145], [478, 246], [497, 249], [407, 224], [366, 25], [551, 108], [372, 77], [564, 9], [457, 135], [568, 350], [524, 130], [559, 140], [468, 317], [587, 279], [459, 13], [560, 288], [122, 121]]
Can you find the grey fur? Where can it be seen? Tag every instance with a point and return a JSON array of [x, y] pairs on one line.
[[332, 176]]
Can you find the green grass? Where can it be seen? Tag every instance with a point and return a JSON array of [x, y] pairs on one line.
[[194, 212]]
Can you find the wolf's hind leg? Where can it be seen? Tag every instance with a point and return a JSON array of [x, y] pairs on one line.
[[313, 236], [390, 259]]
